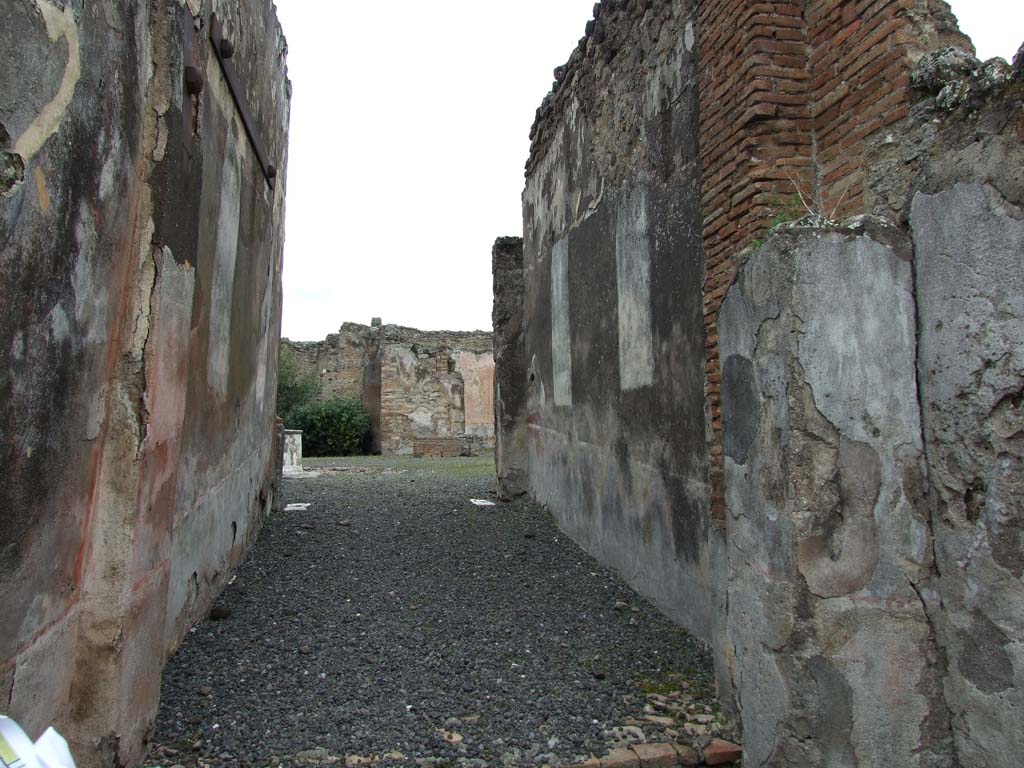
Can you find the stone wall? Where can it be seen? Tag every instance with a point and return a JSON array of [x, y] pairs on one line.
[[421, 395], [510, 377], [141, 259], [446, 447], [477, 371], [414, 384], [835, 506], [346, 364]]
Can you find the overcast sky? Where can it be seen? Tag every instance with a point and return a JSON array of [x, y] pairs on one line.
[[409, 132]]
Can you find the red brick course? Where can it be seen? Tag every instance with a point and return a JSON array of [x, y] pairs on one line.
[[790, 92]]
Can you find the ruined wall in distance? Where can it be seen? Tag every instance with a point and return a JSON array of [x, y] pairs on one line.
[[413, 383], [346, 364], [141, 261], [340, 361], [421, 395], [477, 371]]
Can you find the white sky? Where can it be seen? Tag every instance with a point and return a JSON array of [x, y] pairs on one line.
[[409, 132]]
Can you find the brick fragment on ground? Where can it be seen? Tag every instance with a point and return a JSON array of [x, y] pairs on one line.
[[720, 752], [620, 758], [656, 755], [687, 755]]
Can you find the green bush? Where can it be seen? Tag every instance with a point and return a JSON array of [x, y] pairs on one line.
[[337, 427], [294, 388]]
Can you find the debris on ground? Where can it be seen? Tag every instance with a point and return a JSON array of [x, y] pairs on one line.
[[406, 632]]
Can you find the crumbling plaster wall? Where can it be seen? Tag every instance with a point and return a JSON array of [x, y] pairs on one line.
[[966, 212], [941, 665], [843, 524], [613, 266], [835, 662], [874, 434], [141, 257]]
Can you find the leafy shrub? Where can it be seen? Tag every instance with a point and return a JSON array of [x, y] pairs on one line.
[[294, 388], [338, 427]]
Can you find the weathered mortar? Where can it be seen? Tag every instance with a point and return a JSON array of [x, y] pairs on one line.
[[143, 249]]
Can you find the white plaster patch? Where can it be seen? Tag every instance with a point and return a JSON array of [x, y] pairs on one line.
[[108, 176], [161, 140], [853, 339], [224, 271], [96, 413], [144, 293], [920, 541], [633, 285], [265, 396], [60, 326], [92, 297], [18, 345], [422, 419], [561, 343], [689, 38]]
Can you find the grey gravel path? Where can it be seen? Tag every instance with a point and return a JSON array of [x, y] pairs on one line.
[[394, 613]]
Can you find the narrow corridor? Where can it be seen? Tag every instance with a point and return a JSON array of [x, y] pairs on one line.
[[395, 621]]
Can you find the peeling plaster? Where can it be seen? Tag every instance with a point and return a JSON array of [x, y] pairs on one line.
[[59, 23]]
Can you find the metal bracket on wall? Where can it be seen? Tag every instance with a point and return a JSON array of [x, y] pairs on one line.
[[225, 51]]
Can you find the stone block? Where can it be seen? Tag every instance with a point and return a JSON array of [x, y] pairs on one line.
[[720, 752], [687, 755], [656, 755], [620, 758]]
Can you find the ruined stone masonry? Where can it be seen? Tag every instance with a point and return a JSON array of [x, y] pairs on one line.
[[140, 269], [429, 387], [771, 318]]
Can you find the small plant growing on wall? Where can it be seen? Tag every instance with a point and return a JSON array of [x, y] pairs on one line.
[[339, 427], [295, 388]]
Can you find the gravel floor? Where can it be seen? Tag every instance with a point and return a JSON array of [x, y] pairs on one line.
[[394, 616]]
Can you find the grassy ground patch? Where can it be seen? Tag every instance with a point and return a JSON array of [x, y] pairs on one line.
[[463, 466]]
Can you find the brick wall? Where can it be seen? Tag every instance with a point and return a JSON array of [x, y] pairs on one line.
[[446, 447], [338, 361], [755, 135], [790, 93]]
